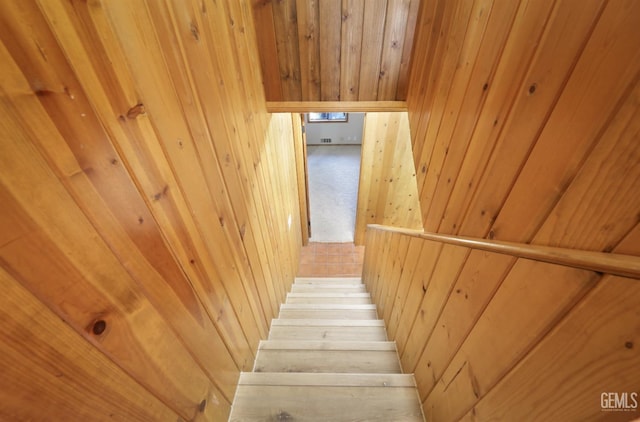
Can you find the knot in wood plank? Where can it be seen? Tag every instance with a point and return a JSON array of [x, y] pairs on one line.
[[136, 110]]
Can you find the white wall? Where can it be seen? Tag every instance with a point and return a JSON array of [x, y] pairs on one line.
[[341, 133]]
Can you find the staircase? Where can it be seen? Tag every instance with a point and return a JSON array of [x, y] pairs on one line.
[[327, 359]]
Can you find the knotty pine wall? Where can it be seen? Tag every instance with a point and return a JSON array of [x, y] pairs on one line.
[[521, 110], [335, 50], [150, 223], [494, 337], [524, 120], [387, 192]]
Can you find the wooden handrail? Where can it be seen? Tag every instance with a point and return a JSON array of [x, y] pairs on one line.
[[610, 263]]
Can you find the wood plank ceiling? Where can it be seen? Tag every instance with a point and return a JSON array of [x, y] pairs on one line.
[[335, 50]]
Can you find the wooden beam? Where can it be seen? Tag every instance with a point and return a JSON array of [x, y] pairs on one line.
[[346, 106]]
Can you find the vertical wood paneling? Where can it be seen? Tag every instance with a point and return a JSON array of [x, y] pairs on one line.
[[329, 24], [437, 70], [605, 186], [77, 258], [463, 99], [184, 155], [346, 50], [481, 323], [604, 78], [523, 118], [150, 206], [529, 288], [143, 251], [465, 303], [387, 191], [351, 47], [309, 44], [286, 28], [387, 300], [394, 36], [372, 41], [278, 237], [407, 49], [427, 27], [503, 85], [569, 364], [409, 268], [263, 22], [562, 42], [29, 325], [464, 186], [213, 106], [426, 308]]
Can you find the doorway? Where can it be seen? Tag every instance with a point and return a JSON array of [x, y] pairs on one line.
[[333, 163]]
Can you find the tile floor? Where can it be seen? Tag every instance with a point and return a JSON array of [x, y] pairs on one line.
[[331, 260]]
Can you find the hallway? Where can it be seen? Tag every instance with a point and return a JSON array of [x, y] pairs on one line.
[[333, 191], [327, 358]]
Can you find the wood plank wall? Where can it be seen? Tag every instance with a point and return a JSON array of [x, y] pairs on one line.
[[494, 337], [150, 223], [387, 192], [335, 50], [529, 109], [525, 120]]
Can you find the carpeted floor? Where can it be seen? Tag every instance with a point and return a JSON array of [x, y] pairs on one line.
[[334, 171]]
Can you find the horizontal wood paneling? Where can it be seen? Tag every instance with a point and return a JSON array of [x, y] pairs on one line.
[[387, 192], [335, 50], [523, 119], [150, 208]]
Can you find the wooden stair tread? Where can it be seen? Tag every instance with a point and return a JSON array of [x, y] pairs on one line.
[[328, 314], [311, 360], [327, 345], [323, 288], [327, 333], [329, 295], [336, 404], [327, 300], [329, 322], [328, 280], [318, 396], [326, 380], [322, 306], [325, 284]]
